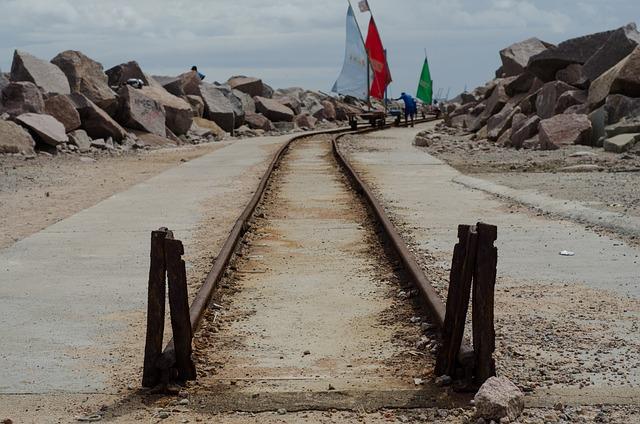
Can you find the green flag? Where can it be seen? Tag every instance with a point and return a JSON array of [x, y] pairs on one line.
[[425, 89]]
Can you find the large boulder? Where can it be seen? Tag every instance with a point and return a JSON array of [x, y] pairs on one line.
[[571, 98], [565, 129], [137, 111], [182, 85], [196, 103], [86, 76], [251, 86], [626, 126], [599, 119], [516, 57], [217, 107], [292, 103], [494, 104], [215, 129], [273, 110], [248, 104], [619, 45], [621, 143], [15, 139], [619, 107], [178, 112], [4, 81], [45, 75], [500, 122], [523, 128], [305, 121], [46, 127], [257, 121], [548, 98], [623, 78], [95, 121], [573, 75], [119, 74], [499, 398], [22, 97], [62, 108], [329, 110], [81, 139], [579, 50]]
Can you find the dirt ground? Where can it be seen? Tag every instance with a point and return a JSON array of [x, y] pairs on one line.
[[39, 192], [607, 181]]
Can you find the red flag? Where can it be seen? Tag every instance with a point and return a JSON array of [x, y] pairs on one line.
[[382, 75]]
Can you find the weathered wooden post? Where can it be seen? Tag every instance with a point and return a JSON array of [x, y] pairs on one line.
[[179, 306], [484, 335], [462, 269], [155, 309]]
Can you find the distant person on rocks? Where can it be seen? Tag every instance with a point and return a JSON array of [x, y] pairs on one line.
[[410, 108], [201, 75]]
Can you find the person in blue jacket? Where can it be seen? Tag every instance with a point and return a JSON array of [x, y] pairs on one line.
[[410, 108], [201, 75]]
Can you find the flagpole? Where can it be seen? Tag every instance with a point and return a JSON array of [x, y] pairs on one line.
[[368, 60]]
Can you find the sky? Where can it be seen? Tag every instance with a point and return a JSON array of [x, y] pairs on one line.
[[299, 42]]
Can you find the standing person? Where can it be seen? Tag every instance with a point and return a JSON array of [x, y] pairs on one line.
[[410, 108], [201, 75]]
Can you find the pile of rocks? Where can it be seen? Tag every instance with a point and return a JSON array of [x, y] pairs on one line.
[[71, 104], [583, 91]]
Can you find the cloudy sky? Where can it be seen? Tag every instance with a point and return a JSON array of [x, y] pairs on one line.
[[298, 42]]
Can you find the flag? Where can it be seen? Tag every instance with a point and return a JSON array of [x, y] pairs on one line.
[[364, 6], [377, 56], [353, 78], [425, 88]]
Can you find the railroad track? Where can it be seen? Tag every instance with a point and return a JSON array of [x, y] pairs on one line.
[[314, 301]]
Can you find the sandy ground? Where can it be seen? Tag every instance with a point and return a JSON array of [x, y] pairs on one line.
[[613, 183], [37, 193]]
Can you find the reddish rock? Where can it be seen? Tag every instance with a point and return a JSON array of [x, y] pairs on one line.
[[15, 139], [81, 139], [218, 107], [95, 121], [571, 98], [218, 132], [579, 50], [248, 104], [118, 75], [523, 130], [305, 121], [86, 76], [184, 84], [273, 110], [548, 98], [292, 103], [522, 84], [197, 105], [62, 108], [500, 122], [257, 121], [573, 75], [619, 107], [137, 111], [178, 112], [251, 86], [22, 97], [153, 140], [565, 129], [516, 57], [623, 78], [329, 110], [619, 45], [46, 127], [45, 75]]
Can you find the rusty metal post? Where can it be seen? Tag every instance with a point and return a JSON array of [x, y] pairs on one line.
[[484, 335], [179, 306], [155, 309], [462, 269]]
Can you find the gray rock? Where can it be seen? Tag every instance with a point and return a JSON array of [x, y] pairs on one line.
[[498, 398], [621, 143], [623, 78], [248, 105], [565, 129], [516, 57], [184, 84], [522, 130], [579, 50], [573, 75], [140, 112], [571, 98], [619, 45], [22, 97], [305, 120], [500, 122], [119, 74], [46, 127], [626, 126], [62, 108], [15, 139], [284, 127], [86, 76], [81, 139], [95, 121], [197, 105], [218, 107], [599, 119], [273, 110], [45, 75], [619, 107], [258, 121]]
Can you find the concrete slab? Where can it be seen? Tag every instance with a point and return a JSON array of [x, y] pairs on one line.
[[66, 293]]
